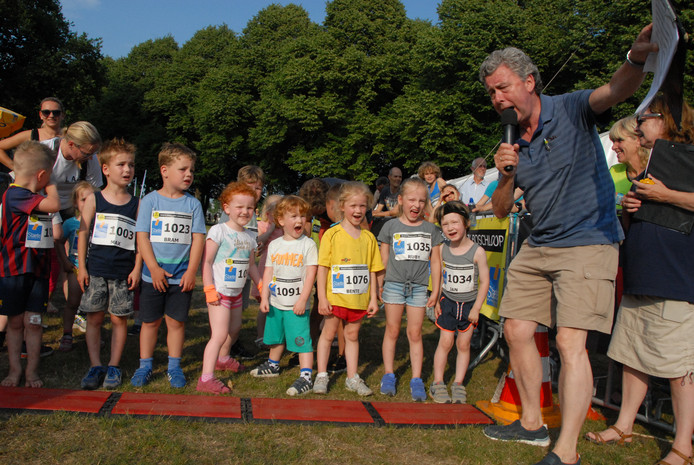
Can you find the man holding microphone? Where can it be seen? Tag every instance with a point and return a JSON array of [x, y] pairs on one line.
[[564, 274]]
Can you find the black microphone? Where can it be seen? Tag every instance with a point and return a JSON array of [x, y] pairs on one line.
[[509, 122]]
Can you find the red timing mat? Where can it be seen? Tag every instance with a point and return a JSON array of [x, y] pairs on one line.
[[394, 413], [311, 409], [307, 409], [52, 399], [133, 403]]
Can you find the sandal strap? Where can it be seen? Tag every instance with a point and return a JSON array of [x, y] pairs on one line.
[[687, 460], [622, 437]]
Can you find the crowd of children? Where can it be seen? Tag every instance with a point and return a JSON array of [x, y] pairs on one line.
[[117, 244]]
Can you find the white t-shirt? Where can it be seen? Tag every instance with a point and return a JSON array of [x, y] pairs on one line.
[[66, 174], [233, 258], [288, 260]]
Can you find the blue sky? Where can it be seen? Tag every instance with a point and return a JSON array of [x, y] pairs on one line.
[[122, 24]]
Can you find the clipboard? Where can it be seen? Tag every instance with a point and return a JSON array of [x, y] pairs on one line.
[[673, 164]]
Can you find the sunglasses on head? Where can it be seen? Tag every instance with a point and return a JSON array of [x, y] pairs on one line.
[[47, 113]]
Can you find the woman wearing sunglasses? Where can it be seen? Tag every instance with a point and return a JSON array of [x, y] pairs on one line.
[[52, 114], [653, 331]]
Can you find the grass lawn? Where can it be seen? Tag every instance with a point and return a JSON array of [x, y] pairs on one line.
[[66, 438]]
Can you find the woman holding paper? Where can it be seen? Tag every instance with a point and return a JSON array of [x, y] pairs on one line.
[[652, 334]]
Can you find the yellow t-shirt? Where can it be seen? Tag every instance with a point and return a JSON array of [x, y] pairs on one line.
[[349, 261]]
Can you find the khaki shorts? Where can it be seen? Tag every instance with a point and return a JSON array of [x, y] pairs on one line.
[[654, 336], [570, 287]]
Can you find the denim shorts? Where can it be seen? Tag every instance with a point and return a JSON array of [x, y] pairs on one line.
[[412, 295]]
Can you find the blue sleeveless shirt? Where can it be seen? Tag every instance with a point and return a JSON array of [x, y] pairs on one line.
[[111, 262]]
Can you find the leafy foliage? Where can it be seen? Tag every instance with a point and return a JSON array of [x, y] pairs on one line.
[[41, 57], [366, 90]]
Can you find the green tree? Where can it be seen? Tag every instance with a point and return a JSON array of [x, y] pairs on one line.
[[41, 57], [121, 111]]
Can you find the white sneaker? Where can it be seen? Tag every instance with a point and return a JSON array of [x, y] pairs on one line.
[[80, 324], [357, 385], [320, 384]]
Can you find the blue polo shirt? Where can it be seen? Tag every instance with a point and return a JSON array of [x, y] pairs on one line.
[[564, 176]]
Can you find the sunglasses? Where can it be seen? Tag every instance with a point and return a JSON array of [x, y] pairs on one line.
[[47, 113], [641, 118]]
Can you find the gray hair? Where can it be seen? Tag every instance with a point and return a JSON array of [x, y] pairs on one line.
[[516, 60], [477, 162]]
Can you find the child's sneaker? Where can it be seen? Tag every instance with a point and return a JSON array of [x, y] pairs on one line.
[[65, 343], [357, 385], [299, 387], [94, 378], [320, 385], [265, 370], [439, 392], [80, 324], [213, 386], [419, 393], [230, 365], [458, 394], [176, 378], [141, 377], [388, 384], [113, 378]]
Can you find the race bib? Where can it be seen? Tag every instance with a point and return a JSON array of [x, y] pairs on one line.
[[39, 232], [285, 292], [114, 230], [350, 279], [235, 273], [171, 227], [458, 279], [412, 246]]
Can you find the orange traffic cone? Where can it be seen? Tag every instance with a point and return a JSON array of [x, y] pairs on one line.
[[505, 406]]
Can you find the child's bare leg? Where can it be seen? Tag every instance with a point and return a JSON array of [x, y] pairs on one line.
[[119, 334], [225, 349], [305, 360], [463, 359], [95, 321], [446, 340], [340, 340], [148, 338], [325, 341], [32, 334], [390, 337], [415, 319], [15, 336], [352, 347], [260, 324], [176, 331], [219, 324], [73, 292], [276, 352], [234, 325]]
